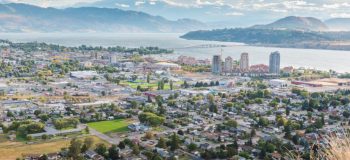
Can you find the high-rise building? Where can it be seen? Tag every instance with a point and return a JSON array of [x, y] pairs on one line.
[[244, 62], [274, 66], [228, 65], [113, 59], [216, 64]]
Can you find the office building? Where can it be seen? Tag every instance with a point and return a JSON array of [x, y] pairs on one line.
[[244, 62], [274, 66], [216, 64]]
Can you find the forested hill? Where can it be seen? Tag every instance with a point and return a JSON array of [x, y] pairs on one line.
[[277, 38], [252, 36]]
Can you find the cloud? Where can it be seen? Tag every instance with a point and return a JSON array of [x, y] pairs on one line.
[[234, 14], [122, 5], [340, 15], [138, 3], [50, 3], [225, 8]]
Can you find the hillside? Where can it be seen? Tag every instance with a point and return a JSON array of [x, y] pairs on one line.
[[276, 38], [16, 17], [254, 36], [295, 23], [339, 24]]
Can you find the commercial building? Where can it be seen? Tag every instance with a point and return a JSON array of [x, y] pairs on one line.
[[278, 83], [274, 66], [244, 62], [216, 64]]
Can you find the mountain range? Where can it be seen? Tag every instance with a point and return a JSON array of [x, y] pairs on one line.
[[15, 17]]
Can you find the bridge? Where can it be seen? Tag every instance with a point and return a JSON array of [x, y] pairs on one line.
[[207, 46]]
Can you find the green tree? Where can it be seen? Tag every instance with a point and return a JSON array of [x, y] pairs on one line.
[[161, 143], [191, 147], [148, 77], [74, 149], [171, 84], [135, 149], [113, 153], [121, 145], [175, 142], [101, 149]]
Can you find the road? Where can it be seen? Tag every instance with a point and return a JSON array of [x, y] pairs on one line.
[[103, 136]]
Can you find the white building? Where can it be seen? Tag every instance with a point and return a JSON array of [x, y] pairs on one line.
[[228, 65], [278, 83], [83, 74], [244, 62]]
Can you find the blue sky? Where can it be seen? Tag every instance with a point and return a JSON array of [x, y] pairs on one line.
[[239, 12]]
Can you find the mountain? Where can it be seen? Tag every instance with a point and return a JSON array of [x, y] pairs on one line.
[[296, 23], [256, 36], [338, 24], [276, 38], [16, 17]]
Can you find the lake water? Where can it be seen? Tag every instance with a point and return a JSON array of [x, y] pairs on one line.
[[309, 58]]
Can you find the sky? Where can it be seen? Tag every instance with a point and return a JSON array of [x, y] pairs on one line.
[[239, 12]]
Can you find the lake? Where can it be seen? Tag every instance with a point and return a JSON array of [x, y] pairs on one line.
[[309, 58]]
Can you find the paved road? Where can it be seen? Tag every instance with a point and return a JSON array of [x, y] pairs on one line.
[[104, 137]]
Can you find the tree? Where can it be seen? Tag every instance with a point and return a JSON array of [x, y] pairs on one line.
[[44, 117], [151, 118], [171, 84], [185, 85], [44, 157], [88, 142], [231, 123], [37, 112], [74, 149], [149, 135], [191, 147], [113, 152], [135, 149], [101, 149], [148, 78], [174, 139], [346, 114], [287, 111], [121, 145], [87, 130], [9, 114], [263, 122], [44, 137], [161, 143], [252, 132]]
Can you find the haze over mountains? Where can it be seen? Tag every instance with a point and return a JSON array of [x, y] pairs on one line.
[[16, 17], [27, 18]]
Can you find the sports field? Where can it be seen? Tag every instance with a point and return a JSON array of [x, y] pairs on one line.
[[118, 125]]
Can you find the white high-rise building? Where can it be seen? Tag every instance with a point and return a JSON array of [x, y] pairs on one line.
[[244, 62], [228, 65], [113, 59]]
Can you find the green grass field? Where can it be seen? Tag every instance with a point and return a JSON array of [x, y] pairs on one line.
[[119, 125]]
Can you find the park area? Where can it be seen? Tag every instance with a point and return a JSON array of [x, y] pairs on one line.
[[118, 125], [11, 150]]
